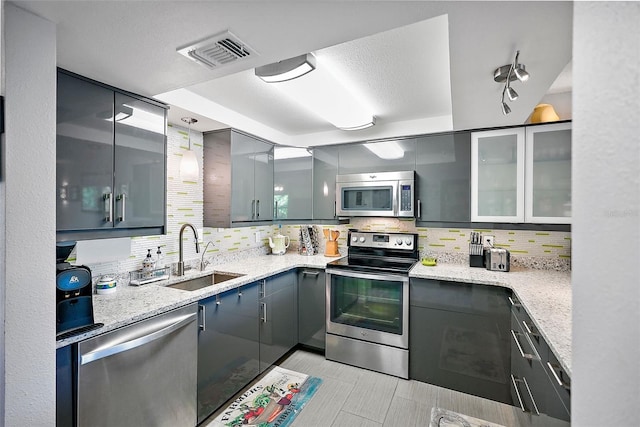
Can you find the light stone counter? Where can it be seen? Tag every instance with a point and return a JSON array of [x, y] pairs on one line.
[[546, 295]]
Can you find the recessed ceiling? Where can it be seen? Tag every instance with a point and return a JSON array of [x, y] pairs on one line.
[[423, 66]]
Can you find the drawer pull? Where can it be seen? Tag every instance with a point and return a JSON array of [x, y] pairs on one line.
[[553, 368], [515, 382], [514, 302], [530, 329], [310, 273], [528, 356]]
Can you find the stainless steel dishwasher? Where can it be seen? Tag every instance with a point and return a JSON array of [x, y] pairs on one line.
[[141, 375]]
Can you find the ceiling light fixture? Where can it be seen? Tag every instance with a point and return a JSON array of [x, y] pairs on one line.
[[326, 96], [287, 69], [189, 169], [507, 74]]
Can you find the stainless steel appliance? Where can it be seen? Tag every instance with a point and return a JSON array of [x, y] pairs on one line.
[[141, 375], [367, 302], [389, 194], [497, 259]]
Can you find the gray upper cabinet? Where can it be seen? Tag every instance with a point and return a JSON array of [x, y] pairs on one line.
[[325, 169], [292, 183], [238, 179], [381, 156], [111, 174], [443, 172]]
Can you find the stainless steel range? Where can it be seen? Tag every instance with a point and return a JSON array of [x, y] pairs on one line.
[[368, 302]]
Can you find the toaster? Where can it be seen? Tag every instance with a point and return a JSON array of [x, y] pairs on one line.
[[497, 259]]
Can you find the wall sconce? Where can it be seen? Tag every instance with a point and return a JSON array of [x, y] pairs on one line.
[[287, 69], [507, 74], [189, 169]]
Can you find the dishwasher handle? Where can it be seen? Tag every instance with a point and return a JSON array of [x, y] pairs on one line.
[[102, 352]]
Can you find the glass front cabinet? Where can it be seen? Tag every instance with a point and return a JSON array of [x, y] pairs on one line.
[[522, 175]]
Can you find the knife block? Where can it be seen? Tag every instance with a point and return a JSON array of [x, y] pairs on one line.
[[331, 248]]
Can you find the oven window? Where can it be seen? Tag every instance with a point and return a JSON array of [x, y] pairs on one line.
[[367, 198], [367, 303]]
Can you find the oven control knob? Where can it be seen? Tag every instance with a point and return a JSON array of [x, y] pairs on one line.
[[399, 241], [408, 242], [354, 239], [362, 239]]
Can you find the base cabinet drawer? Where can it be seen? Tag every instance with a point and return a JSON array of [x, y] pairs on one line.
[[532, 388]]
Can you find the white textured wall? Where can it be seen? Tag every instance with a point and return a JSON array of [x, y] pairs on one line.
[[606, 221], [29, 174]]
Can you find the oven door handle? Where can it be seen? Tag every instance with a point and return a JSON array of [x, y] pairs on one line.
[[373, 276]]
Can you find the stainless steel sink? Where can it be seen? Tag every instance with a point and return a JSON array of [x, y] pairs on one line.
[[204, 281]]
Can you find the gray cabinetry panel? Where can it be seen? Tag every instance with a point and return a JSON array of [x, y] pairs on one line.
[[84, 154], [238, 179], [389, 156], [311, 308], [64, 386], [325, 169], [292, 187], [443, 173], [459, 337], [278, 318], [228, 348], [537, 386], [110, 161]]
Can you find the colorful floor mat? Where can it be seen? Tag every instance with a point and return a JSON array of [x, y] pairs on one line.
[[273, 401]]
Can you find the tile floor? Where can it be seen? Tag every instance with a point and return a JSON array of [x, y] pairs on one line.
[[355, 397]]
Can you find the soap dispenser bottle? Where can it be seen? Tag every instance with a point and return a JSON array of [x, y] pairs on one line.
[[159, 259], [147, 265]]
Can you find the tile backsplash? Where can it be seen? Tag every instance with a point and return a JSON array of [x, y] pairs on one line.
[[185, 205]]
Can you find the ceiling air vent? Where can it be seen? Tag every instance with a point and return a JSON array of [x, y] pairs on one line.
[[215, 51]]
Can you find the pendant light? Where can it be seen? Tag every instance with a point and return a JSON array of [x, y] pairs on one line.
[[189, 169]]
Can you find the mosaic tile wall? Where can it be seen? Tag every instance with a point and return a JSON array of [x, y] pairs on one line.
[[548, 249], [185, 205]]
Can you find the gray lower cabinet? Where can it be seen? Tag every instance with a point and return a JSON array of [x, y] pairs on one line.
[[278, 317], [228, 346], [311, 308], [539, 386], [64, 386], [110, 161], [443, 174], [459, 337]]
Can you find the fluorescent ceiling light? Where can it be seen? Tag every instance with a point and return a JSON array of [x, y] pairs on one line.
[[281, 153], [386, 150], [287, 69], [323, 94]]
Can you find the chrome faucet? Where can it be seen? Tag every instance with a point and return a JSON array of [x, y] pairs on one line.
[[203, 263], [180, 261]]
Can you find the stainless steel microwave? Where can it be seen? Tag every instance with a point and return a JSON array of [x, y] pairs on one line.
[[389, 194]]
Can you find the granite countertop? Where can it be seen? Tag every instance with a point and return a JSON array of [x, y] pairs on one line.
[[546, 295]]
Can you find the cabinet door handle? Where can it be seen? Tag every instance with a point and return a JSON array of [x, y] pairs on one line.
[[218, 301], [419, 209], [310, 273], [257, 209], [553, 367], [514, 302], [275, 210], [108, 206], [122, 198], [515, 382], [263, 288], [524, 355], [530, 329], [263, 305], [203, 317], [253, 209], [335, 209]]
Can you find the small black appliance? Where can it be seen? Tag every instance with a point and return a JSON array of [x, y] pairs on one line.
[[74, 295]]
